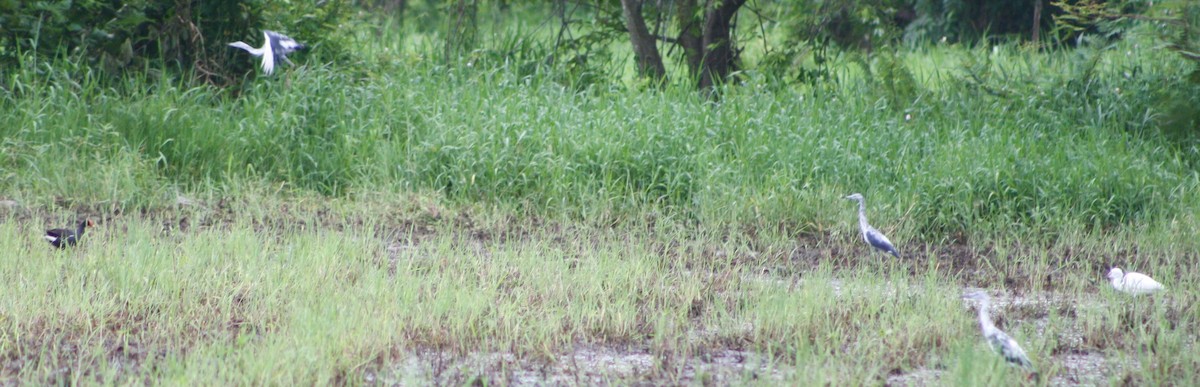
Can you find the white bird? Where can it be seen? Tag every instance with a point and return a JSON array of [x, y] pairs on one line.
[[275, 46], [1000, 341], [870, 234], [1133, 283]]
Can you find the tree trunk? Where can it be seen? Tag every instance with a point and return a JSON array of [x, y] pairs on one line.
[[460, 36], [398, 8], [689, 35], [1037, 19], [644, 49], [720, 57]]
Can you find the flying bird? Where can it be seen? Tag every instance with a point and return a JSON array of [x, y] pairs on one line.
[[999, 340], [1133, 283], [275, 46], [61, 237], [870, 234]]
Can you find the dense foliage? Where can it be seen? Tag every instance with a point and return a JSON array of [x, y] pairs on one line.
[[188, 35], [116, 36]]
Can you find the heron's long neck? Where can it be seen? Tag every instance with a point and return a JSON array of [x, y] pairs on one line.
[[251, 50], [1119, 282], [79, 230], [862, 214], [985, 320]]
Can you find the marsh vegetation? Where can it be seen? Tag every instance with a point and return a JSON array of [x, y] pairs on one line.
[[387, 216]]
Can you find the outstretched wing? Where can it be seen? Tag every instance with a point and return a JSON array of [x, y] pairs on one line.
[[1009, 348], [281, 44], [877, 239], [269, 52]]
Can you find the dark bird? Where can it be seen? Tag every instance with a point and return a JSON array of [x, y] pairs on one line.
[[61, 237]]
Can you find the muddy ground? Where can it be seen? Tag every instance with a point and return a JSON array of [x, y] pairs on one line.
[[409, 225]]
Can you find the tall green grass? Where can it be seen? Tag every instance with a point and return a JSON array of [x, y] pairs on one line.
[[1059, 150]]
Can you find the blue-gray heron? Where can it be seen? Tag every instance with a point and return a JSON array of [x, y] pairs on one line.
[[870, 234], [1000, 341], [1133, 283], [275, 46]]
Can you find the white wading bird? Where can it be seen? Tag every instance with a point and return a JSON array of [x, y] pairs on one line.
[[1133, 283], [870, 234], [276, 46], [1000, 341]]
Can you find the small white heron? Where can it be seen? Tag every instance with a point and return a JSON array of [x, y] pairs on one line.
[[275, 46], [1000, 341], [1133, 283], [870, 234]]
